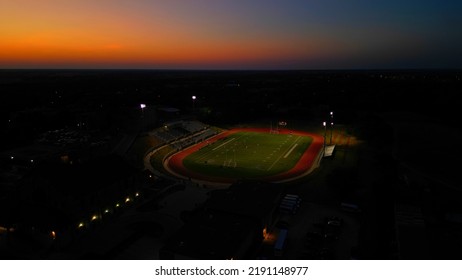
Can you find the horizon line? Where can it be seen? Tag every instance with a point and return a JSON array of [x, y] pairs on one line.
[[235, 70]]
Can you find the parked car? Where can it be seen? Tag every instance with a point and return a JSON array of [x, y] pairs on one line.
[[332, 227], [334, 221]]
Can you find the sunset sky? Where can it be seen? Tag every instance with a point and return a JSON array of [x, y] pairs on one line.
[[230, 34]]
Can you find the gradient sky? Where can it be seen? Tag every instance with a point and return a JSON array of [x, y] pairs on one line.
[[231, 34]]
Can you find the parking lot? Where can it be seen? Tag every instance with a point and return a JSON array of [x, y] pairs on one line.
[[313, 233]]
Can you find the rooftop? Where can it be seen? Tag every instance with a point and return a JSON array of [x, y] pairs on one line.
[[246, 198]]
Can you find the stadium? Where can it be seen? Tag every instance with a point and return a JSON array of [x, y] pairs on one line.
[[220, 158]]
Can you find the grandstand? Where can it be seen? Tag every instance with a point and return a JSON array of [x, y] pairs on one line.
[[174, 131], [173, 137]]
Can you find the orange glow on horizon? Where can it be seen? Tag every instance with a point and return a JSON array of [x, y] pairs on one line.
[[40, 52], [52, 33]]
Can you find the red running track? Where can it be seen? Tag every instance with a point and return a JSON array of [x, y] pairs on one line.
[[306, 162]]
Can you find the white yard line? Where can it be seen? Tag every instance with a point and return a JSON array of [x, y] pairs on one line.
[[271, 166], [209, 153], [216, 148], [290, 151]]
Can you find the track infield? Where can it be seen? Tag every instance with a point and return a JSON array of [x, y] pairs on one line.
[[253, 154]]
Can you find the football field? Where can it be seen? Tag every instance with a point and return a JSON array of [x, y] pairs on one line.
[[248, 155]]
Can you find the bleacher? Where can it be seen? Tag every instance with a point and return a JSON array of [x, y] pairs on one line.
[[196, 139], [177, 130], [194, 126], [182, 134], [177, 138], [169, 134]]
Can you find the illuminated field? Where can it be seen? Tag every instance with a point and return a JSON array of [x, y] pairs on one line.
[[248, 154]]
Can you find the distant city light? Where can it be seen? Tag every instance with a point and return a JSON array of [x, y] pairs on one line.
[[323, 123], [137, 194], [32, 161], [81, 225], [127, 200], [143, 106], [193, 97], [106, 211], [331, 113], [53, 235], [117, 205], [12, 157], [94, 217]]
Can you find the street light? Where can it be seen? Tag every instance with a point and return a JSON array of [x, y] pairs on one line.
[[193, 100], [142, 106], [324, 124], [331, 131], [331, 126]]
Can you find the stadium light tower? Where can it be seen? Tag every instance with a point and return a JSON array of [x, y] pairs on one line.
[[142, 106], [331, 126], [193, 101]]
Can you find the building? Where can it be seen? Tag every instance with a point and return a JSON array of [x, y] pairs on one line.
[[231, 224]]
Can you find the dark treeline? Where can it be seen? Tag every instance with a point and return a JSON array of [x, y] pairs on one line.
[[40, 100]]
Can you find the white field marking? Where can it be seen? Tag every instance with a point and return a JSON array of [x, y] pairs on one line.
[[290, 151], [207, 154], [271, 166], [216, 148]]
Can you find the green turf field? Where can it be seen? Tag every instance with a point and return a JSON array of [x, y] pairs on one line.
[[248, 155]]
